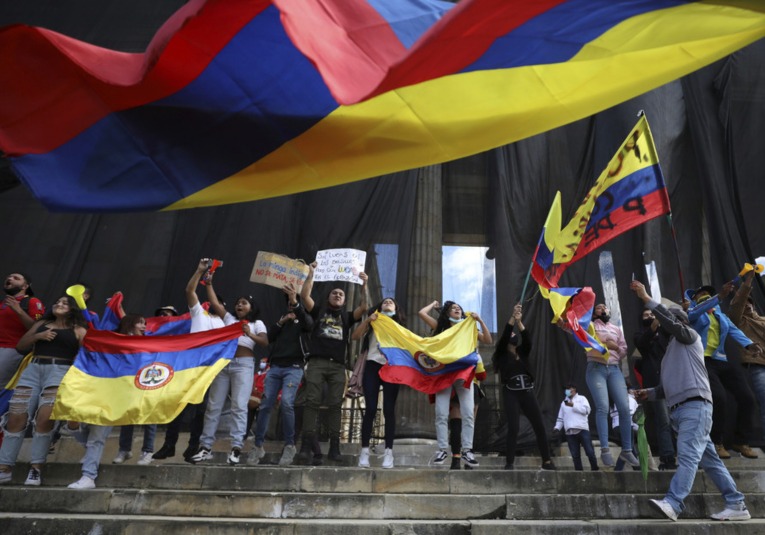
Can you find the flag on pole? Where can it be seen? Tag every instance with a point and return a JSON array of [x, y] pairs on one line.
[[574, 306]]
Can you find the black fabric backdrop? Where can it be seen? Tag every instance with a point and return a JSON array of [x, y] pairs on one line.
[[708, 128]]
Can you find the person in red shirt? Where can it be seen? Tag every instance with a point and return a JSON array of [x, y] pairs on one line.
[[18, 312]]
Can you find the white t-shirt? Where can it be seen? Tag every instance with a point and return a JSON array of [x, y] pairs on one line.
[[256, 327], [201, 320], [374, 352]]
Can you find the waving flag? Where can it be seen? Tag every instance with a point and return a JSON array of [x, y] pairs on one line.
[[629, 192], [113, 313], [543, 263], [574, 306], [166, 325], [237, 100], [428, 364], [121, 380]]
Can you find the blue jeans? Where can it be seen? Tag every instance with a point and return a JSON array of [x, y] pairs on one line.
[[663, 429], [693, 421], [36, 388], [583, 439], [236, 378], [126, 437], [757, 374], [467, 404], [287, 379], [603, 381], [93, 438]]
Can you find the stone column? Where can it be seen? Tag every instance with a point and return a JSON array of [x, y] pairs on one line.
[[416, 417]]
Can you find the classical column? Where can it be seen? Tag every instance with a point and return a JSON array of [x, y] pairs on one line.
[[416, 417]]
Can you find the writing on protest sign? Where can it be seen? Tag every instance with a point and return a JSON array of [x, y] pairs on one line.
[[277, 270], [339, 265]]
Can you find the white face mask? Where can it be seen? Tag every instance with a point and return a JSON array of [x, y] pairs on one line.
[[263, 365], [389, 313], [456, 320], [568, 393]]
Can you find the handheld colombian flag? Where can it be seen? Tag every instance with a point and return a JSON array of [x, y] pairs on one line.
[[113, 313], [167, 325], [428, 364], [121, 380], [238, 100], [543, 264], [629, 192], [574, 306]]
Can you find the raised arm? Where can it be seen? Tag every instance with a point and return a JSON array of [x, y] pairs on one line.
[[425, 316], [359, 310], [215, 305], [305, 292], [484, 335], [683, 333], [737, 304], [191, 286]]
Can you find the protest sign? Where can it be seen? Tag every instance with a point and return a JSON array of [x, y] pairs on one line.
[[339, 265], [277, 270]]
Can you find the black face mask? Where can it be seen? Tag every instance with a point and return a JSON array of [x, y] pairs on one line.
[[12, 291], [604, 317], [647, 322]]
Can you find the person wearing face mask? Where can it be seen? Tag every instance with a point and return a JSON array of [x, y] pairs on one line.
[[572, 418], [746, 318], [285, 373], [371, 382], [511, 361], [327, 360], [605, 379], [725, 377], [456, 404], [651, 340]]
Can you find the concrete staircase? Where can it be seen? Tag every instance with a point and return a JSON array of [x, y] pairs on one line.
[[339, 498]]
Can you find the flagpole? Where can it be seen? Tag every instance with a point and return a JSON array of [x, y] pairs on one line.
[[677, 255], [526, 282]]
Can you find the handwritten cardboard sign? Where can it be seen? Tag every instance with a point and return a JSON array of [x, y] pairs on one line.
[[339, 265], [277, 270]]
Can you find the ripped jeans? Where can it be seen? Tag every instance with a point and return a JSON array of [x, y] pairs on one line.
[[36, 389]]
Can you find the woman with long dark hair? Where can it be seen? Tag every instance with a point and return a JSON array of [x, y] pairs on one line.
[[372, 381], [459, 419], [55, 341], [511, 361], [235, 379]]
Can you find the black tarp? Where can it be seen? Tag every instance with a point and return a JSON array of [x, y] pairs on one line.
[[708, 129]]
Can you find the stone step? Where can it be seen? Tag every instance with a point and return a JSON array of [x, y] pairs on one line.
[[362, 506], [56, 524], [376, 480]]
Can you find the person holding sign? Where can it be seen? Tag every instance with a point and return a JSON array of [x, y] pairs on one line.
[[285, 374], [459, 420], [371, 382], [327, 358]]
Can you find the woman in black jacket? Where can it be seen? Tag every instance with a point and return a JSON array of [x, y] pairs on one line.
[[511, 361]]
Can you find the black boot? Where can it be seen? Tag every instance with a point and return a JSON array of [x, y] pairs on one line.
[[306, 450], [334, 450], [455, 463]]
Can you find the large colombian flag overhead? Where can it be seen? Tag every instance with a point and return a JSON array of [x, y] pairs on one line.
[[121, 380], [236, 100]]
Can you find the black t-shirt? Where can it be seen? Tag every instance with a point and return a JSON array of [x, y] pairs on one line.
[[331, 331]]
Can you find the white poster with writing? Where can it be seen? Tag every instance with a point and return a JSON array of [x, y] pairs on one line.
[[339, 265]]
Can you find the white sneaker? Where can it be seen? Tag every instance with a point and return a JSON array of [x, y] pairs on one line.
[[33, 478], [732, 514], [666, 508], [146, 458], [202, 454], [122, 456], [364, 458], [388, 458], [439, 457], [83, 483], [5, 477], [235, 456], [288, 455], [469, 458]]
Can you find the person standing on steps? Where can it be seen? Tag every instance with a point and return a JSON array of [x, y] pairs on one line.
[[685, 386]]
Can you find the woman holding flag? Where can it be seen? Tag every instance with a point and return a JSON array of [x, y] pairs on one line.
[[54, 341], [372, 381], [460, 421]]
